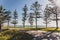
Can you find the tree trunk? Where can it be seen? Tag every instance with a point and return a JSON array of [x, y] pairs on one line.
[[56, 22], [0, 27], [8, 24], [46, 23], [14, 25], [36, 21], [24, 24], [30, 25]]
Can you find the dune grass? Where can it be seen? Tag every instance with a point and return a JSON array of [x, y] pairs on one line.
[[15, 35], [8, 34], [31, 28]]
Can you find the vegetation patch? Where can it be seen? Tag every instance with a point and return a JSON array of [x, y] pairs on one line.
[[15, 35]]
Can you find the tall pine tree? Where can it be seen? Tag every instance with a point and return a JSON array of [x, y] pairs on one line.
[[3, 16], [25, 9], [15, 16], [36, 8]]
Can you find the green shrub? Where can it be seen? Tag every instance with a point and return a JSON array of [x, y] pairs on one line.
[[22, 36], [1, 38], [9, 32], [15, 35]]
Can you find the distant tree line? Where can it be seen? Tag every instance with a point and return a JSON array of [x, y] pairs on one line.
[[49, 14]]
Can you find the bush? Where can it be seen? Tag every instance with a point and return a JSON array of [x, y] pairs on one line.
[[15, 35], [9, 32], [22, 36]]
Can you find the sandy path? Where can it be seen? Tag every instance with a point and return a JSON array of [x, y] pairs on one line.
[[38, 34]]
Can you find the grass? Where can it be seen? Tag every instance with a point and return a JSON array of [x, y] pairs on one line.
[[26, 28], [8, 34], [15, 35], [51, 29]]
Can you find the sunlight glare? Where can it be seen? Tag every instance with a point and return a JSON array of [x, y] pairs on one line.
[[58, 3]]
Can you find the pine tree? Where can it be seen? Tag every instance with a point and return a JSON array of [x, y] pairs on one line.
[[55, 12], [46, 16], [3, 16], [31, 20], [8, 17], [25, 9], [36, 8], [15, 16]]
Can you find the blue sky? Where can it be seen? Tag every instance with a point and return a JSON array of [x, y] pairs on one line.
[[19, 4]]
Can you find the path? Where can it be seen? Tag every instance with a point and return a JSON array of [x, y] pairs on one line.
[[43, 35]]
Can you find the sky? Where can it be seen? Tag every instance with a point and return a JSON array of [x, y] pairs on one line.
[[19, 4]]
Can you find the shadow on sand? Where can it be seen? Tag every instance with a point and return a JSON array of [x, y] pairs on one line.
[[48, 36]]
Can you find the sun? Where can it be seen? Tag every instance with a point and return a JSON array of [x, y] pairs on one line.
[[57, 2]]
